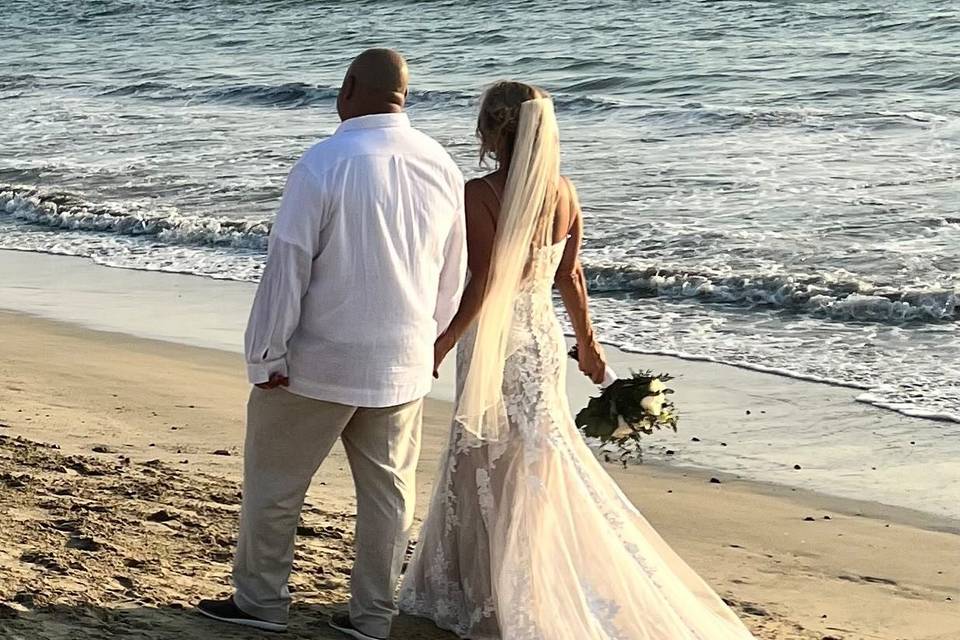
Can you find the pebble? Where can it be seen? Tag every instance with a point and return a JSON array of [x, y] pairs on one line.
[[715, 481], [83, 543], [161, 516]]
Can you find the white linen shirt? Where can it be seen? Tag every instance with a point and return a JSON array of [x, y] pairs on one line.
[[365, 267]]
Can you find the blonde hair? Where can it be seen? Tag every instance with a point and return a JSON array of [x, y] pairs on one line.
[[500, 117]]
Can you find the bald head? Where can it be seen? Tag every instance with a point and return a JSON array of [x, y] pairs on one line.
[[376, 82]]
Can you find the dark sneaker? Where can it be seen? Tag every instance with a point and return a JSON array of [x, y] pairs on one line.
[[228, 611], [341, 622]]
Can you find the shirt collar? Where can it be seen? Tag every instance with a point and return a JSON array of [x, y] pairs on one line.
[[375, 121]]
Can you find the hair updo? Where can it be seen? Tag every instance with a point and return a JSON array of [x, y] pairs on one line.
[[500, 117]]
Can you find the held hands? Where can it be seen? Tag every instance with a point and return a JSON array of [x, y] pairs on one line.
[[592, 361], [441, 348], [276, 380]]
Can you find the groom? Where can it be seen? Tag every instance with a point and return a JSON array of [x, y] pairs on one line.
[[365, 268]]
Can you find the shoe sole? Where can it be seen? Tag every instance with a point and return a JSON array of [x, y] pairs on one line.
[[353, 633], [262, 625]]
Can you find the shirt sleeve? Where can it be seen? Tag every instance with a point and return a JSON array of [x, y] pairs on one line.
[[294, 244], [454, 271]]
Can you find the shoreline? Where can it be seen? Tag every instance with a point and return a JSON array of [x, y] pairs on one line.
[[735, 420], [865, 395], [784, 557], [441, 407], [659, 467]]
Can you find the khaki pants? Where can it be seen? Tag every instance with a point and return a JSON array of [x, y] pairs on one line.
[[288, 437]]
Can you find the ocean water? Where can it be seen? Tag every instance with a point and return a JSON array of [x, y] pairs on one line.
[[769, 184]]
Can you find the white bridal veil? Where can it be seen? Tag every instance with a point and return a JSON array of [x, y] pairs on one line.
[[524, 225]]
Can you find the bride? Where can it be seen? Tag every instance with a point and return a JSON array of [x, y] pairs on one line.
[[528, 538]]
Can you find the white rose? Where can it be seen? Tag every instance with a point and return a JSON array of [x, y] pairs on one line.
[[657, 386], [653, 405]]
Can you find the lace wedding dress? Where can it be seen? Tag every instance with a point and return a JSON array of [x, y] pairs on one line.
[[528, 537]]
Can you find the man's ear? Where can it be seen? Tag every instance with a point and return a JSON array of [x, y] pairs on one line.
[[349, 87]]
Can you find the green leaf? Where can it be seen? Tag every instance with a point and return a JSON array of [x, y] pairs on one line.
[[597, 419]]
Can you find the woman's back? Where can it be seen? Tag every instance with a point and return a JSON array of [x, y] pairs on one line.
[[564, 213]]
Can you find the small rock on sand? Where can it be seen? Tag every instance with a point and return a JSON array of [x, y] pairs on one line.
[[84, 544], [161, 516]]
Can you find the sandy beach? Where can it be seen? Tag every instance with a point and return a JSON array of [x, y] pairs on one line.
[[119, 466]]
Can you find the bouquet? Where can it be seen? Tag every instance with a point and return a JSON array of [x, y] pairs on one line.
[[627, 409]]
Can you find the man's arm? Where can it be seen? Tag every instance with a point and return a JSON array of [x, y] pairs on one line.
[[454, 271], [294, 243]]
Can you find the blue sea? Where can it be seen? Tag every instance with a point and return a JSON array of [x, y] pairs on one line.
[[769, 184]]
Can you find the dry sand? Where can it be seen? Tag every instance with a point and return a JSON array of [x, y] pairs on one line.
[[127, 515]]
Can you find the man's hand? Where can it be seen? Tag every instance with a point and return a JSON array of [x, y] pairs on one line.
[[441, 348], [276, 380]]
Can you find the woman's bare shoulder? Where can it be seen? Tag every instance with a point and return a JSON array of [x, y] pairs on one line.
[[474, 184], [484, 182], [480, 196]]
